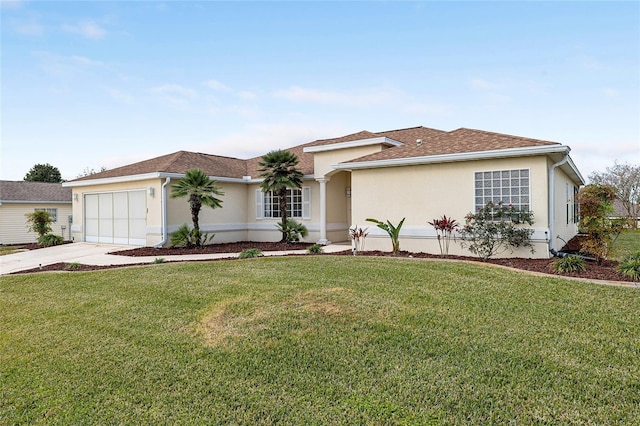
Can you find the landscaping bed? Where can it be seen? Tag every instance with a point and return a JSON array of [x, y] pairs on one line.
[[607, 271]]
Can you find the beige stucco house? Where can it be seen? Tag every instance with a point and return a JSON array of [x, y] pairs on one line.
[[19, 198], [418, 173]]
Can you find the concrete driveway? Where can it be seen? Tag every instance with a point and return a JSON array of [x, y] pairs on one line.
[[87, 253]]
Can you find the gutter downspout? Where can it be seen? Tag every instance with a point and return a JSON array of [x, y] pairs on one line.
[[164, 214], [552, 199]]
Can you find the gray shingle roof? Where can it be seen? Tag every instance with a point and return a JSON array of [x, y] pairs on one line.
[[12, 191]]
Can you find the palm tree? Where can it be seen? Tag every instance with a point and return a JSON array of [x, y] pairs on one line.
[[278, 169], [201, 191]]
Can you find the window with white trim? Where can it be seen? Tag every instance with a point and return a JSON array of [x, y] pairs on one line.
[[509, 186], [298, 203], [52, 212]]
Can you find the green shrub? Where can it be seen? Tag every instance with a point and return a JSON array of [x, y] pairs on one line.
[[159, 260], [189, 238], [49, 240], [72, 266], [315, 249], [393, 231], [250, 253], [496, 228], [39, 222], [569, 264], [293, 231], [630, 266]]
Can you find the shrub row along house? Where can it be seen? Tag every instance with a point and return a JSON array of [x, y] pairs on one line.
[[18, 198], [418, 173]]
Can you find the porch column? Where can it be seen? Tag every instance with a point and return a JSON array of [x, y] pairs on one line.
[[323, 211]]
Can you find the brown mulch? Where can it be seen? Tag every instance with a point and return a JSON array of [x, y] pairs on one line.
[[606, 271]]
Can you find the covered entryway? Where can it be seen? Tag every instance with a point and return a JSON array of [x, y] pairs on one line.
[[116, 217]]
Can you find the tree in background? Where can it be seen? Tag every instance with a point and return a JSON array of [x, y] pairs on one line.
[[44, 173], [596, 208], [279, 172], [625, 180], [201, 191], [90, 171]]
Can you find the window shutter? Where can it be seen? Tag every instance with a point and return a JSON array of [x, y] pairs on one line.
[[306, 202], [259, 204]]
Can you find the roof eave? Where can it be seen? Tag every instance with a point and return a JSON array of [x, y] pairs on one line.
[[383, 140], [35, 201]]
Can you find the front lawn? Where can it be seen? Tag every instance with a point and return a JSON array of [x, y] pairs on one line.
[[316, 340], [627, 242]]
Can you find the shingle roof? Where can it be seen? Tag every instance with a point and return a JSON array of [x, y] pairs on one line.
[[434, 142], [33, 191], [437, 142], [179, 162]]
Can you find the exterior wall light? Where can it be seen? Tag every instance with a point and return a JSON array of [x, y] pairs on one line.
[[152, 191], [348, 192]]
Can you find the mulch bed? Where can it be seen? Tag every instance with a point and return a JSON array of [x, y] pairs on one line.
[[606, 271]]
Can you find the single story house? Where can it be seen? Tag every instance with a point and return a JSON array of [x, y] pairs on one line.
[[418, 173], [19, 198]]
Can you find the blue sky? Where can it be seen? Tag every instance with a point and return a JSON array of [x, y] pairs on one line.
[[92, 84]]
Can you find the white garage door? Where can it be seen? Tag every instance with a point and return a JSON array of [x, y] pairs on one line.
[[116, 218]]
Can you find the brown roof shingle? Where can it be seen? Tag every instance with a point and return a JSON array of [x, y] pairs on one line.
[[437, 142], [434, 142], [33, 191], [179, 162]]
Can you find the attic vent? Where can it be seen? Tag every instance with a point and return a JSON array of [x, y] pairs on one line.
[[418, 142]]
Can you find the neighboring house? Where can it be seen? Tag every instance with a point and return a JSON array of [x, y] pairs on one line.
[[19, 198], [621, 212], [417, 173]]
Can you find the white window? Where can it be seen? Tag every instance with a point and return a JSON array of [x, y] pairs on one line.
[[52, 212], [509, 186], [298, 203]]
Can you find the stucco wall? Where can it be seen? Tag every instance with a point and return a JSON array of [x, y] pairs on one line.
[[229, 223], [13, 223], [154, 205], [425, 192], [564, 229], [323, 160]]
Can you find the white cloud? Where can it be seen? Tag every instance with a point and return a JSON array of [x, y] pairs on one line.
[[216, 85], [31, 28], [361, 97], [86, 62], [120, 96], [481, 84], [247, 95], [610, 93], [259, 138], [174, 94], [87, 29], [11, 4], [64, 66]]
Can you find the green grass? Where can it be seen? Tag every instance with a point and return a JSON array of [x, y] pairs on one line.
[[628, 242], [9, 250], [316, 340]]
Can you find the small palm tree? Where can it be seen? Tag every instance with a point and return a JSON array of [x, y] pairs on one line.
[[278, 169], [201, 191]]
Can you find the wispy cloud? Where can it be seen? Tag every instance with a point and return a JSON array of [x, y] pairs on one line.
[[218, 86], [11, 4], [87, 29], [65, 66], [174, 94], [31, 28], [120, 96], [493, 94], [361, 97], [610, 93]]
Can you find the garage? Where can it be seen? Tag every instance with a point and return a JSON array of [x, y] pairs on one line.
[[116, 217]]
